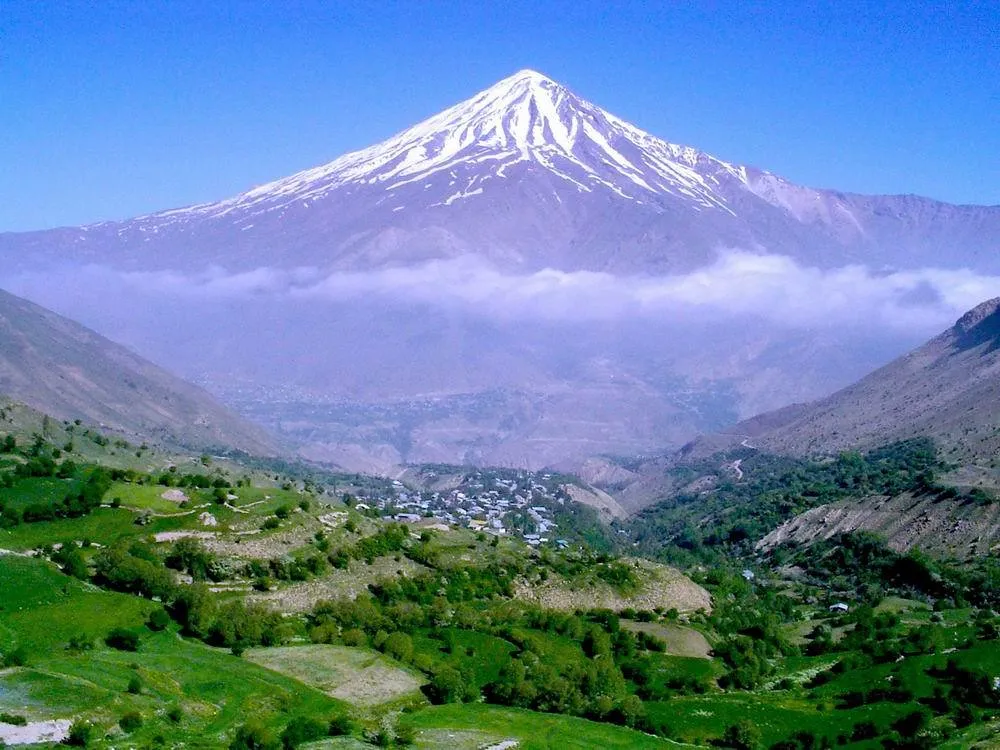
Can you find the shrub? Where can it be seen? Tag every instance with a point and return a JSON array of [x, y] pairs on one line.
[[252, 736], [17, 657], [175, 714], [122, 639], [302, 729], [405, 736], [742, 736], [79, 643], [80, 733], [130, 721], [340, 725], [134, 684], [354, 637], [158, 619], [398, 646], [14, 719]]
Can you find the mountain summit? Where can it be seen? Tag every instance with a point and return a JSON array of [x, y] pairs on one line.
[[526, 121], [527, 175]]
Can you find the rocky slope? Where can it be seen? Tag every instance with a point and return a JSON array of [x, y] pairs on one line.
[[948, 389], [69, 372], [939, 527]]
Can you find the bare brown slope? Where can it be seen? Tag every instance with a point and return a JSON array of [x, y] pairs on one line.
[[948, 389], [63, 369], [939, 527]]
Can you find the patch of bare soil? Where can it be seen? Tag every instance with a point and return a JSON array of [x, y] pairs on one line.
[[606, 506]]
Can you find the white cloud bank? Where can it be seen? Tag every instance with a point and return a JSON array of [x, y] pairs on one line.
[[771, 287]]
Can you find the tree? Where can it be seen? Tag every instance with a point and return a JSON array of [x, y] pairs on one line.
[[912, 724], [446, 686]]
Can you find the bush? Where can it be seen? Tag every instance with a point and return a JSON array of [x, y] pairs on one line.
[[175, 714], [80, 643], [405, 736], [14, 719], [302, 729], [130, 721], [122, 639], [399, 646], [339, 726], [134, 685], [158, 619], [17, 657], [80, 733], [354, 637], [252, 736], [742, 736]]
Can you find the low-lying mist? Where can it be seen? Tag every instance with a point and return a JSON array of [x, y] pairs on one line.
[[599, 362]]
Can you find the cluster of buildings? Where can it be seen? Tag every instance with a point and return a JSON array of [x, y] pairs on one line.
[[499, 502]]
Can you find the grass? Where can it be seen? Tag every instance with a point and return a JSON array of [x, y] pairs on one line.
[[104, 526], [472, 726], [33, 490], [215, 691], [703, 719], [680, 640], [555, 648], [668, 667], [145, 496], [486, 654], [358, 676]]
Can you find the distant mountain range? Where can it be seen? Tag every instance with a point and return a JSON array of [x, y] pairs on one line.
[[524, 279], [69, 372]]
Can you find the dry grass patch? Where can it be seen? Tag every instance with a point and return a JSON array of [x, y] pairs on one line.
[[661, 588], [681, 641], [358, 676], [338, 584]]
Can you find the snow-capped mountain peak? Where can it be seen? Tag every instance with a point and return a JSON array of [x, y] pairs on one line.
[[524, 120]]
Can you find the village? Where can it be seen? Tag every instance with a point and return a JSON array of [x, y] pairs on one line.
[[501, 502]]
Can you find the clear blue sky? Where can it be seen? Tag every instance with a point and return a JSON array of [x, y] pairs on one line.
[[113, 109]]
